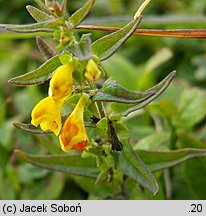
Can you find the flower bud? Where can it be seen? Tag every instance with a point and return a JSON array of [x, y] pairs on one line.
[[92, 71]]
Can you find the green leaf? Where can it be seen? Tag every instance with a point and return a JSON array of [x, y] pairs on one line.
[[159, 89], [155, 141], [38, 76], [4, 158], [118, 67], [29, 128], [46, 26], [71, 164], [188, 140], [160, 57], [103, 124], [129, 163], [63, 7], [120, 127], [194, 171], [195, 176], [51, 191], [65, 58], [147, 76], [93, 109], [82, 50], [46, 51], [29, 173], [97, 191], [77, 17], [159, 160], [192, 108], [42, 5], [113, 92], [109, 44], [37, 14], [165, 108]]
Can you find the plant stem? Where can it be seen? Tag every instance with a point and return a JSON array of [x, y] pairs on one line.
[[116, 144], [168, 186], [101, 109], [99, 104]]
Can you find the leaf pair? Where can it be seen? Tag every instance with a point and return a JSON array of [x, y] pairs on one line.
[[113, 92], [156, 161], [46, 22]]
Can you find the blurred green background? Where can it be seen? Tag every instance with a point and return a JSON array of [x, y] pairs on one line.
[[180, 114]]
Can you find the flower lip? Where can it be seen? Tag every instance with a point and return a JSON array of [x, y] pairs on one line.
[[61, 83], [73, 134], [47, 114], [81, 145]]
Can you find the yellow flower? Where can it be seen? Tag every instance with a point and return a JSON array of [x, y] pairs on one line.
[[92, 71], [47, 113], [61, 84], [73, 134]]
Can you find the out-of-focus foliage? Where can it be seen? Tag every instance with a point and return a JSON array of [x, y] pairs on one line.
[[174, 121]]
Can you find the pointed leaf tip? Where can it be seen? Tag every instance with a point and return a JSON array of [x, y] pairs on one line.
[[46, 51], [109, 44], [113, 92], [29, 128], [20, 154], [45, 26], [159, 89], [77, 17], [129, 163], [63, 7], [38, 76], [37, 14], [159, 160]]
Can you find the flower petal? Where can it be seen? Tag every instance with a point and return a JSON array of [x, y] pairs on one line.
[[73, 134], [47, 113], [92, 71], [61, 84]]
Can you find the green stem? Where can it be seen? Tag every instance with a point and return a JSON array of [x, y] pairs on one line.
[[99, 104], [173, 139], [101, 109], [168, 186]]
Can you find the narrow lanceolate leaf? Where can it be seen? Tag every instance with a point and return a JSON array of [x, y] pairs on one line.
[[159, 160], [46, 51], [63, 7], [37, 14], [38, 76], [71, 164], [80, 14], [46, 26], [42, 5], [29, 128], [82, 50], [113, 92], [109, 44], [129, 163], [125, 109]]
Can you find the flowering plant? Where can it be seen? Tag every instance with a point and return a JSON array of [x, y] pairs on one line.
[[94, 104]]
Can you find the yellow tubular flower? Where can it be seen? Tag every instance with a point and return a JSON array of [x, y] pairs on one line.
[[61, 84], [73, 134], [47, 113], [92, 71]]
